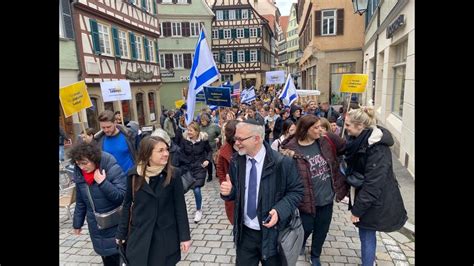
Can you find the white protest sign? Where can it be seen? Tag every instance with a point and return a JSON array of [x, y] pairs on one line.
[[275, 77], [116, 90]]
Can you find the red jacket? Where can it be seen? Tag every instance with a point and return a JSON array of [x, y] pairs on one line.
[[222, 168]]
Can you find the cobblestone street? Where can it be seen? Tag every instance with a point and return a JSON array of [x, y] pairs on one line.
[[212, 239]]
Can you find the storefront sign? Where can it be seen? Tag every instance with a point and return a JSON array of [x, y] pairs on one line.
[[395, 26], [167, 73]]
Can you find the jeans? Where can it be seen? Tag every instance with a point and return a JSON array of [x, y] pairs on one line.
[[319, 227], [61, 153], [368, 244], [198, 197]]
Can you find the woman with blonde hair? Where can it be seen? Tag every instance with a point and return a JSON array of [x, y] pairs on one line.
[[376, 202]]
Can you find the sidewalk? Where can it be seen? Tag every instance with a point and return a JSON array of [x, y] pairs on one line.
[[212, 239], [407, 188]]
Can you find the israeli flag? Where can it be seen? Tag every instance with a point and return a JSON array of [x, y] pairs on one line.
[[203, 72], [288, 94], [248, 95]]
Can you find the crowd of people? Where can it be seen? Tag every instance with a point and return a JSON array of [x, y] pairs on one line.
[[269, 159]]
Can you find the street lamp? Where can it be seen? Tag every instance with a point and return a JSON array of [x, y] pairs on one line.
[[360, 6]]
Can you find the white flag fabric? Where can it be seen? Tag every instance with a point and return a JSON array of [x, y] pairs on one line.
[[248, 95], [288, 94], [203, 72]]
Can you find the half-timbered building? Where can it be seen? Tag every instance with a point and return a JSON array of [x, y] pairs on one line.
[[241, 40], [117, 40]]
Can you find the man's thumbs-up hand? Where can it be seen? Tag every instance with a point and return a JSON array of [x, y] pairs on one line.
[[226, 186]]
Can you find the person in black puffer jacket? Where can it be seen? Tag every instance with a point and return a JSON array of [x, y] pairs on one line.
[[99, 174], [376, 202]]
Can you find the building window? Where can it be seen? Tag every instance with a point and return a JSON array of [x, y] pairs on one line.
[[215, 34], [227, 77], [329, 22], [162, 61], [176, 29], [399, 70], [151, 105], [151, 50], [245, 13], [123, 44], [140, 108], [228, 57], [178, 61], [127, 112], [240, 33], [253, 55], [139, 47], [166, 1], [253, 32], [232, 14], [336, 75], [220, 15], [104, 39], [182, 1], [216, 57], [194, 29], [241, 56], [227, 34]]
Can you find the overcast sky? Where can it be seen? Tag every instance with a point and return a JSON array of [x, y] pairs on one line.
[[284, 6]]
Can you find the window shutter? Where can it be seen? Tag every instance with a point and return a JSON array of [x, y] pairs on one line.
[[258, 55], [238, 14], [187, 61], [221, 34], [340, 22], [144, 5], [67, 19], [259, 32], [154, 7], [133, 46], [169, 61], [250, 14], [235, 56], [317, 26], [233, 33], [145, 45], [221, 56], [246, 33], [226, 14], [186, 29], [247, 56], [95, 36], [166, 29], [189, 1], [116, 41], [131, 1]]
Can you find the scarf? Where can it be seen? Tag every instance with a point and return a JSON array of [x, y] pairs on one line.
[[355, 143], [89, 177], [150, 171]]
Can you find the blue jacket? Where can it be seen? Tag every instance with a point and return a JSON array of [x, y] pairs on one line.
[[275, 166], [106, 196]]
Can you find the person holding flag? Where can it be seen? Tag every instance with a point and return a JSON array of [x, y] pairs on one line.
[[203, 72]]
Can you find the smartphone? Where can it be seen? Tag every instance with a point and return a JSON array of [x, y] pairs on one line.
[[267, 220]]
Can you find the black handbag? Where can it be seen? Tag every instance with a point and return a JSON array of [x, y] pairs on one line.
[[290, 240], [188, 181], [355, 179]]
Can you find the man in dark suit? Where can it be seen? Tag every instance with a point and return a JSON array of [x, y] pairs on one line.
[[259, 204]]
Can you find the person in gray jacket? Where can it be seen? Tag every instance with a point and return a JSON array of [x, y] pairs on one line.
[[252, 183]]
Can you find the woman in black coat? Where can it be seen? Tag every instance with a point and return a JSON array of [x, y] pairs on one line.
[[155, 227], [99, 174], [375, 194], [195, 157]]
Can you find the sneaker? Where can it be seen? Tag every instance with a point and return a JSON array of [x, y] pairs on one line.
[[197, 216]]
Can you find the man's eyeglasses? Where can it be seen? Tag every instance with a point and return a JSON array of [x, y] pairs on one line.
[[242, 139]]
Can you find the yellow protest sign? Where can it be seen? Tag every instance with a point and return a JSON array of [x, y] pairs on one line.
[[178, 103], [353, 83], [74, 98]]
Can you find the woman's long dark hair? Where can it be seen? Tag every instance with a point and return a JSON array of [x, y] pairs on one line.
[[145, 151], [304, 123]]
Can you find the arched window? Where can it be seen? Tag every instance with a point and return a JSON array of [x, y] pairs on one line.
[[140, 109], [151, 104], [127, 113]]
